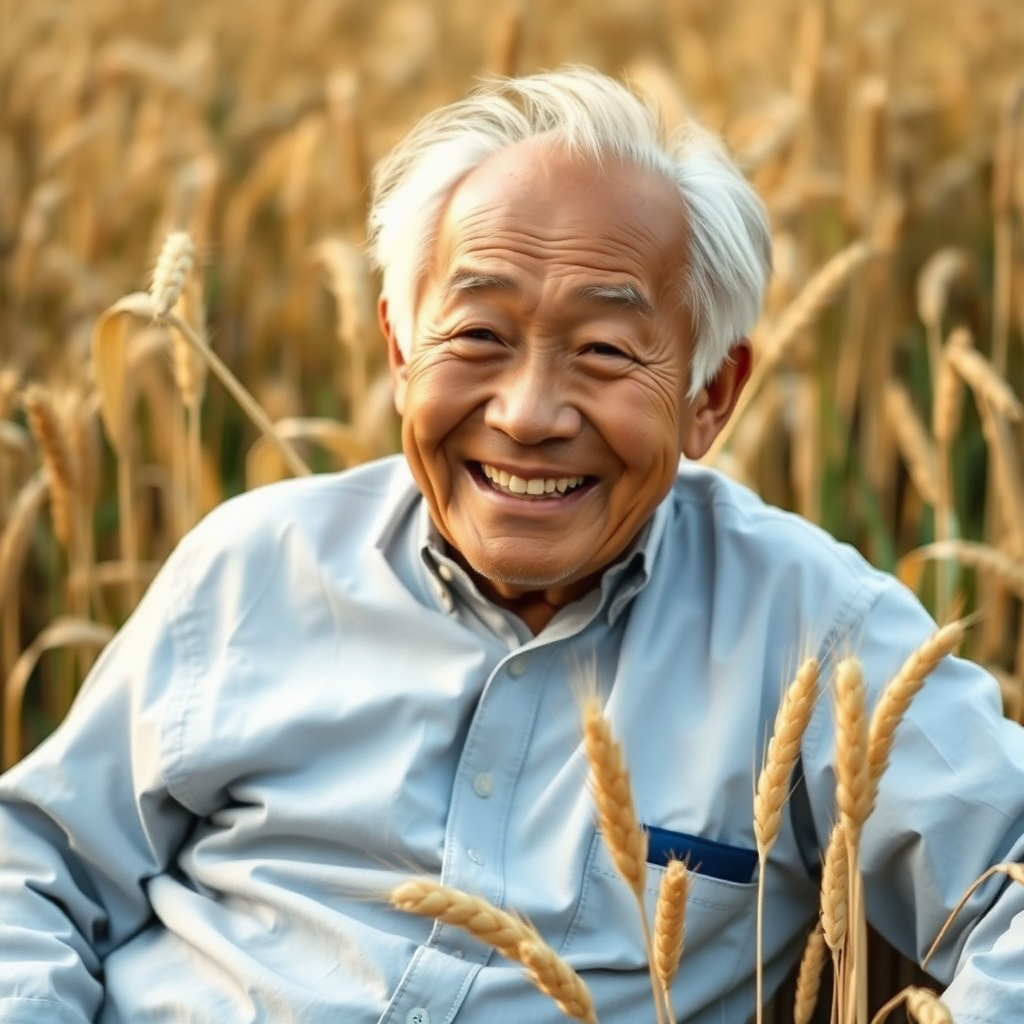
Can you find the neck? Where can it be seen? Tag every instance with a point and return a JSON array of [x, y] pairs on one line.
[[535, 607]]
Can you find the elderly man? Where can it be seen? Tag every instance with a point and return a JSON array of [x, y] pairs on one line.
[[340, 681]]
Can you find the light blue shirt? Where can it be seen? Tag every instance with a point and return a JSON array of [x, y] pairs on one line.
[[313, 703]]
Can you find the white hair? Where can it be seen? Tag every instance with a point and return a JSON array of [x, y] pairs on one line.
[[727, 259]]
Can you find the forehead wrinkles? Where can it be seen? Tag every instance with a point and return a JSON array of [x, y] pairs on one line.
[[489, 234]]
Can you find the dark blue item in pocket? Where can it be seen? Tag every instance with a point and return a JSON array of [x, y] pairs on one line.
[[704, 856]]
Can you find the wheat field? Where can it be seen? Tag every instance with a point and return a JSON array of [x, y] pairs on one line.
[[886, 139]]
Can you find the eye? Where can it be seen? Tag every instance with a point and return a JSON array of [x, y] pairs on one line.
[[477, 334], [604, 348]]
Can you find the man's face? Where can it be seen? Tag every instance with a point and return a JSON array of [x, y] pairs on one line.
[[544, 401]]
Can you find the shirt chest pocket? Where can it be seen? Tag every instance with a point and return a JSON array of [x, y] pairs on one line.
[[719, 925]]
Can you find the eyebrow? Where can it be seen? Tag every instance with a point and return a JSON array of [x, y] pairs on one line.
[[623, 296]]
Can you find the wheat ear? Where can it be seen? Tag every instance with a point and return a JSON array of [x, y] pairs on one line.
[[985, 381], [835, 909], [783, 750], [900, 691], [475, 915], [948, 404], [921, 1003], [808, 979], [773, 783], [853, 797], [627, 841], [512, 937], [1014, 870], [57, 459], [556, 979], [670, 922], [794, 320], [623, 833], [852, 790], [914, 443], [172, 269]]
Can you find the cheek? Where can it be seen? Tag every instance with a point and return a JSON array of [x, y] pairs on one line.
[[643, 429]]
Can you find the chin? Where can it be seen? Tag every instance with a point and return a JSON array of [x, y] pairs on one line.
[[526, 576]]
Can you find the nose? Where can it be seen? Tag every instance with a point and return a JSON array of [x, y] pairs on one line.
[[532, 403]]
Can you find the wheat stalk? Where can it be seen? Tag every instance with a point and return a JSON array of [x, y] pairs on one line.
[[773, 783], [1007, 471], [914, 443], [1014, 870], [986, 382], [815, 296], [973, 554], [946, 414], [896, 697]]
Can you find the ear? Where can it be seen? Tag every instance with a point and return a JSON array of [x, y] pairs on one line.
[[711, 408], [396, 359]]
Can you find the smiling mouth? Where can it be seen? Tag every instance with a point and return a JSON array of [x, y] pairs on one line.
[[529, 488]]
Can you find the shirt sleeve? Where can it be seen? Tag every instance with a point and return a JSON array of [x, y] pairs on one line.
[[950, 804], [89, 817]]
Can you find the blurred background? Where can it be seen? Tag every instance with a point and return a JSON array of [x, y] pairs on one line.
[[885, 137]]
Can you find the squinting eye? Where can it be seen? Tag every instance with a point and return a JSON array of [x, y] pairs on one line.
[[602, 348], [478, 334]]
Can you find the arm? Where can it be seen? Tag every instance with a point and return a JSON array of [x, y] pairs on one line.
[[88, 818], [951, 803]]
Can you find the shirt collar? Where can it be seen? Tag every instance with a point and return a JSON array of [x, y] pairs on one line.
[[620, 582]]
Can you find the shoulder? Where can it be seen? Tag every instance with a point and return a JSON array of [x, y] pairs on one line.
[[283, 535], [758, 563], [708, 499], [325, 509]]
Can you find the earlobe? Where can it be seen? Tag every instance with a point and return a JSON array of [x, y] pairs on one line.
[[396, 358], [712, 407]]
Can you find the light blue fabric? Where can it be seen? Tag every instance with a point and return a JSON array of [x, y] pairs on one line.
[[312, 702]]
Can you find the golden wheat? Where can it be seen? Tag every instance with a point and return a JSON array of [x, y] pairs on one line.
[[808, 980], [896, 697], [478, 917], [670, 921]]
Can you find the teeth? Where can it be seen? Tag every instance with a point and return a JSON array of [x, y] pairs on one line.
[[534, 487]]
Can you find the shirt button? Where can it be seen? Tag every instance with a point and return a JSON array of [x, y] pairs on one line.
[[483, 784], [458, 954], [445, 572], [417, 1015], [445, 598], [474, 856], [517, 666]]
